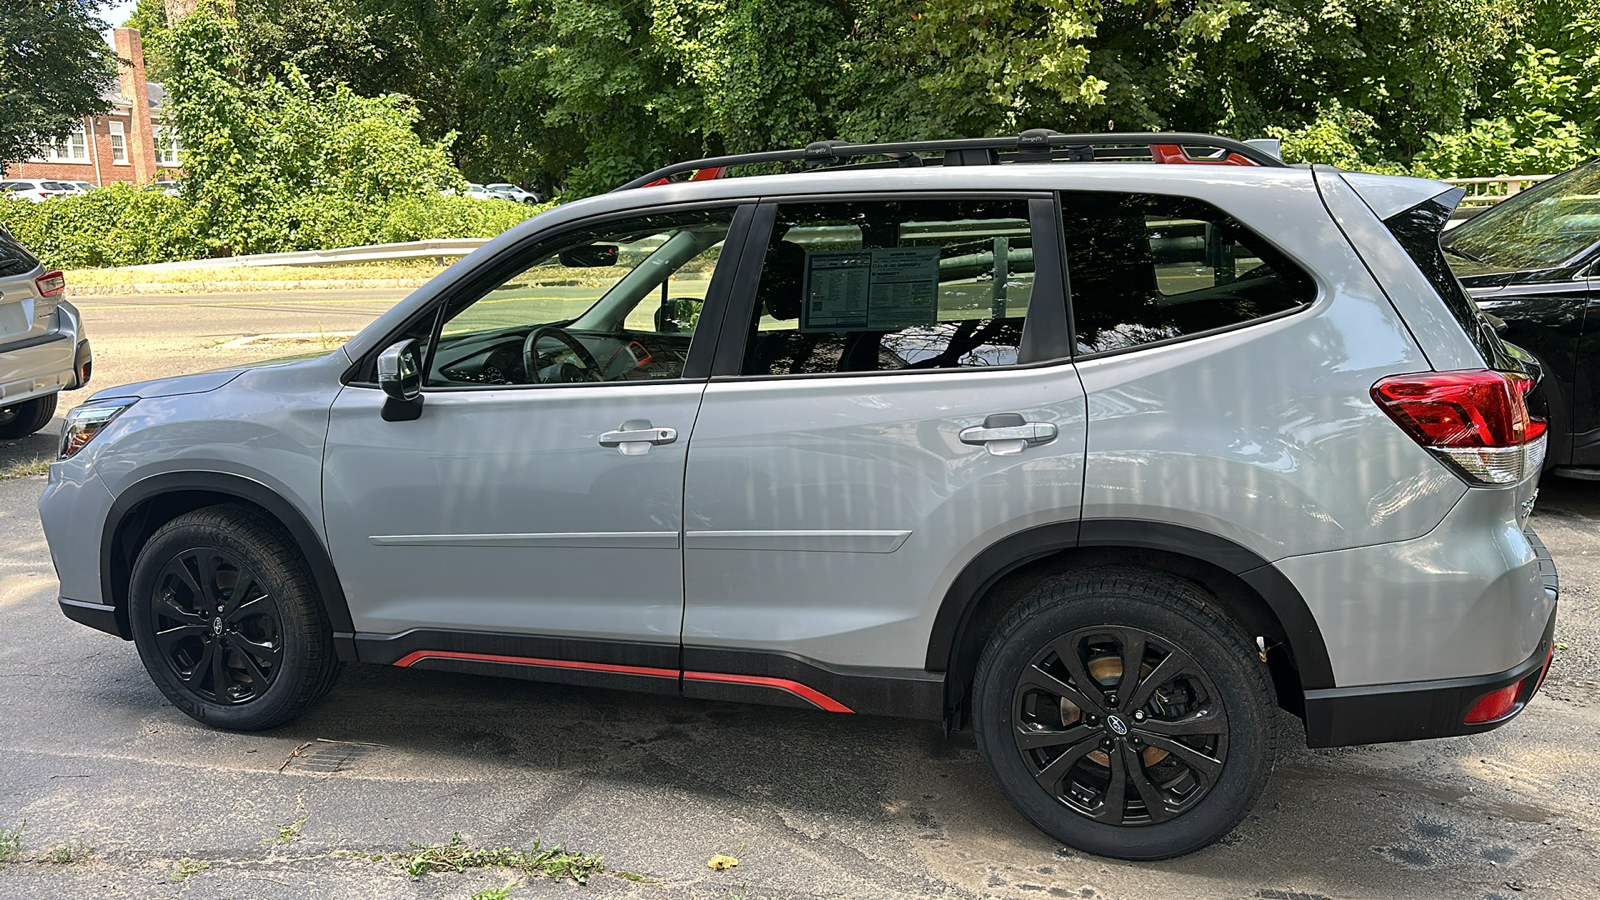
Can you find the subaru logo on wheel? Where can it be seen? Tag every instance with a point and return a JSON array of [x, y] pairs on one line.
[[1119, 727]]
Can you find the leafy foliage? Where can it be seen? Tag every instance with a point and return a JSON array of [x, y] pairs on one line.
[[53, 69]]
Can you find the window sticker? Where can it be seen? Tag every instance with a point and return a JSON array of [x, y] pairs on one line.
[[884, 289]]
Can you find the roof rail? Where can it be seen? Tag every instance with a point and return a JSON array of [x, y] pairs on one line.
[[1034, 145]]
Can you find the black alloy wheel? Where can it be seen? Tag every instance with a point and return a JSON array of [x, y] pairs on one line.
[[1124, 713], [228, 619], [219, 631], [1120, 725]]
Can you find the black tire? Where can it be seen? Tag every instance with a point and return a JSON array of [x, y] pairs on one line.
[[278, 655], [22, 419], [1199, 674]]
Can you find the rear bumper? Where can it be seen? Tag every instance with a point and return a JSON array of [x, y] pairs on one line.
[[37, 366], [1376, 714]]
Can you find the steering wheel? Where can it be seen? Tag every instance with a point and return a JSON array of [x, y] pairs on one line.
[[568, 372]]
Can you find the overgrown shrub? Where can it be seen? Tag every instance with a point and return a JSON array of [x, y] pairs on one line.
[[117, 225]]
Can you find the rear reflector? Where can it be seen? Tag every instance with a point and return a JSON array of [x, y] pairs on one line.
[[1476, 420], [51, 284], [1494, 705]]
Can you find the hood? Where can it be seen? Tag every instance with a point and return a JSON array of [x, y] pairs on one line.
[[203, 382]]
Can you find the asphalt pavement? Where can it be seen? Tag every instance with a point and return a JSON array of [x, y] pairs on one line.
[[117, 794]]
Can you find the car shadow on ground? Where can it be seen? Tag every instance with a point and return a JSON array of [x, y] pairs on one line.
[[23, 453]]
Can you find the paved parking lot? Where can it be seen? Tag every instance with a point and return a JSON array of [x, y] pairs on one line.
[[147, 803]]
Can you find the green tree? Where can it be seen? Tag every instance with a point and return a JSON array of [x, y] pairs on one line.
[[54, 70], [150, 18]]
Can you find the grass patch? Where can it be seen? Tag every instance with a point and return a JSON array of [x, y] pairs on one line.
[[457, 856], [187, 867], [499, 893], [24, 467], [411, 270], [77, 851], [11, 843]]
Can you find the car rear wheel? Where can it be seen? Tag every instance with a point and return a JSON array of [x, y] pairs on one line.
[[1123, 715], [228, 620], [23, 419]]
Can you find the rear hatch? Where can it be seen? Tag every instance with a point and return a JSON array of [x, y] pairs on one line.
[[23, 312]]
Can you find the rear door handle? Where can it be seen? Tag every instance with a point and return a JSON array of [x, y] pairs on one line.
[[1007, 434], [637, 436]]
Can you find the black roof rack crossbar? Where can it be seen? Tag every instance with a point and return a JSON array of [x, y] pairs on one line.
[[1036, 144]]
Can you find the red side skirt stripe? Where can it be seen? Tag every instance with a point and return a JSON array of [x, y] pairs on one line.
[[812, 695]]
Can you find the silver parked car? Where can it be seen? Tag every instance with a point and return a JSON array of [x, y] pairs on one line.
[[43, 348], [1107, 460]]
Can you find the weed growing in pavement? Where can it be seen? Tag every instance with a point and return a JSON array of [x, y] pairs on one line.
[[499, 893], [456, 856], [25, 467], [187, 867], [286, 833], [77, 851], [11, 843]]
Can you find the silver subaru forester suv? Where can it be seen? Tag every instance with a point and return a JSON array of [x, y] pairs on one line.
[[1109, 460]]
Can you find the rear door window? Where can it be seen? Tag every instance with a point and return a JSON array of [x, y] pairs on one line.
[[1146, 268], [14, 258], [875, 286]]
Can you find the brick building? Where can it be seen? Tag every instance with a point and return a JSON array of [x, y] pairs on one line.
[[131, 143]]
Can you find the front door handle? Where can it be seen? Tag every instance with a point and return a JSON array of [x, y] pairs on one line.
[[636, 436], [1007, 434]]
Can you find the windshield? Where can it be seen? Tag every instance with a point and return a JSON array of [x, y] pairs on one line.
[[1540, 228]]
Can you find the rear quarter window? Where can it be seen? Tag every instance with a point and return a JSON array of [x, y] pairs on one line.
[[1146, 269], [14, 258]]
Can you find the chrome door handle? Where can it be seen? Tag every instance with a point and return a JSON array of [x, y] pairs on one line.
[[637, 436], [1007, 434]]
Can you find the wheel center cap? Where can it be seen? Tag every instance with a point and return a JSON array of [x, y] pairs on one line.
[[216, 625], [1117, 726]]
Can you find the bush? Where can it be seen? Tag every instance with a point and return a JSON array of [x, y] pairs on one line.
[[119, 225]]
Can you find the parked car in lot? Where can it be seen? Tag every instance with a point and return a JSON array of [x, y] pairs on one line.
[[166, 186], [43, 347], [1533, 261], [513, 192], [38, 189], [1108, 461]]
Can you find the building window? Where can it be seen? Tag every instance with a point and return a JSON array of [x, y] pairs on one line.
[[74, 149], [168, 146], [119, 144]]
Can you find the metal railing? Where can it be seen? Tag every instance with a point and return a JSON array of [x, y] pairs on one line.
[[1482, 192], [445, 248]]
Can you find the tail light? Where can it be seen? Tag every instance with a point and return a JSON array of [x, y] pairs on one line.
[[51, 284], [1475, 420]]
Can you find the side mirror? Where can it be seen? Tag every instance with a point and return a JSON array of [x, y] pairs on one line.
[[400, 377], [589, 256]]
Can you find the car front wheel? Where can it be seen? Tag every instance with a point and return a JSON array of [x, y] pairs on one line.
[[1122, 714], [228, 620]]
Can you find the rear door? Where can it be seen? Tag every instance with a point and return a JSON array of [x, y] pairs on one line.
[[891, 395]]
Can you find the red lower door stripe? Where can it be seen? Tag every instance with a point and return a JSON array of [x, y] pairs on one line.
[[794, 687], [812, 695], [412, 658]]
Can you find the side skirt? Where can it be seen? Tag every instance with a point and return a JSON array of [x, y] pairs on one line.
[[697, 672]]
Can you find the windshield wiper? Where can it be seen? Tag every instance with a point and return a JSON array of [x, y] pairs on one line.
[[1463, 254]]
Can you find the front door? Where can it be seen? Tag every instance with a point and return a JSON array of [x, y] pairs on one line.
[[895, 398], [530, 516]]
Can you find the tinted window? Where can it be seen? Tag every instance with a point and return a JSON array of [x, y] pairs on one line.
[[618, 302], [887, 285], [1146, 268], [1537, 229], [14, 258]]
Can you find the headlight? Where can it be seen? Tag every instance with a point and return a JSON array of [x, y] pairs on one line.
[[89, 420]]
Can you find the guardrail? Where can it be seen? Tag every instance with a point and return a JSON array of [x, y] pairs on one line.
[[1482, 192], [447, 248]]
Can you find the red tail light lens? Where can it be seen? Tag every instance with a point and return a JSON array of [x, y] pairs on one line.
[[51, 284], [1475, 419], [1494, 705]]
